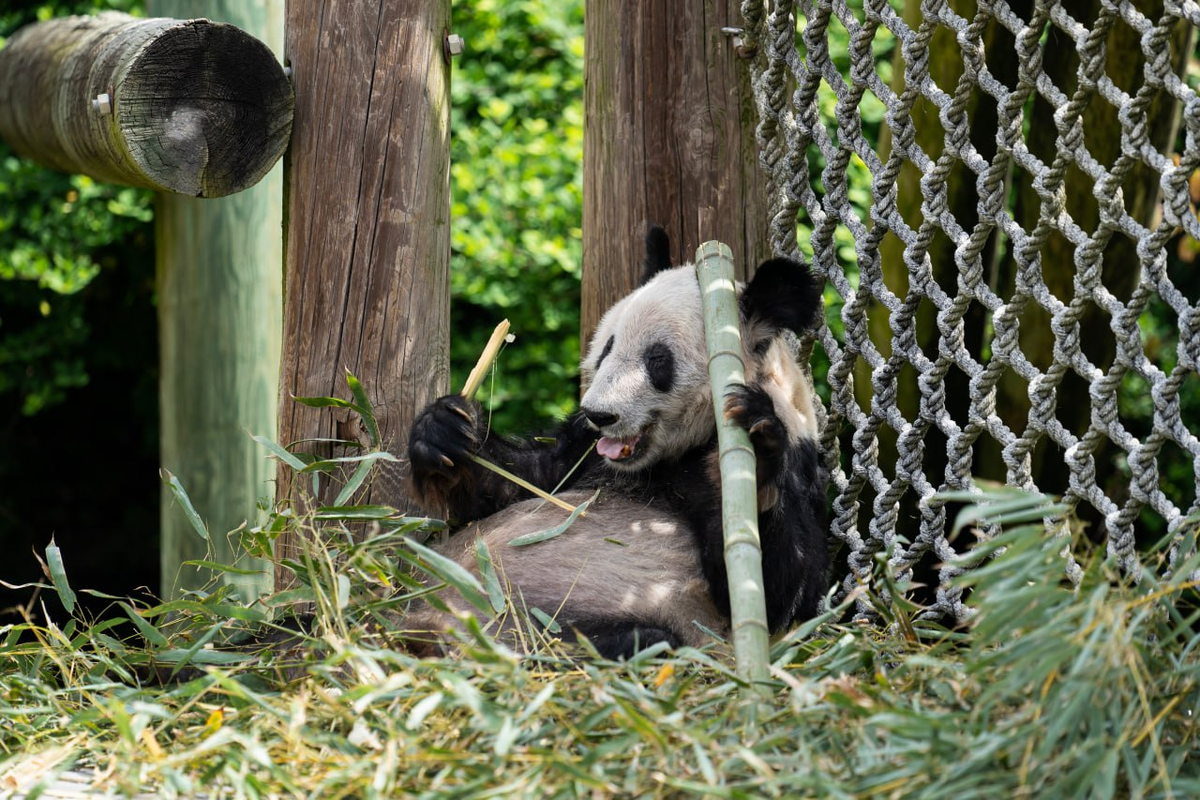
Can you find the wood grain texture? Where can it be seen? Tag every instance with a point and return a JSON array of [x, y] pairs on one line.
[[197, 107], [220, 299], [668, 139], [367, 221]]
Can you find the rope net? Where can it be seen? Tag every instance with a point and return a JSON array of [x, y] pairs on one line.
[[998, 195]]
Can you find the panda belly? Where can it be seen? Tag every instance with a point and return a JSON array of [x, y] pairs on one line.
[[624, 575]]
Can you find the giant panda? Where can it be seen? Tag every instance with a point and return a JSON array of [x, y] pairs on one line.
[[645, 563]]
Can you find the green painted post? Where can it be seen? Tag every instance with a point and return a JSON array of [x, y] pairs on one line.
[[220, 307]]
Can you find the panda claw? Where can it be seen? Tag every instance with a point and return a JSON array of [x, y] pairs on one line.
[[759, 426], [464, 413]]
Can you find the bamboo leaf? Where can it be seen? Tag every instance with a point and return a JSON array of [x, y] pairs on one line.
[[185, 503], [422, 710], [58, 577], [152, 634], [323, 402], [279, 452], [223, 568], [355, 482], [548, 622], [197, 654], [449, 571], [355, 512], [363, 406], [483, 559], [557, 530], [329, 464]]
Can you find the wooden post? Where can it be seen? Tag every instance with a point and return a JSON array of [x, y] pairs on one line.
[[668, 136], [194, 107], [220, 270], [367, 236]]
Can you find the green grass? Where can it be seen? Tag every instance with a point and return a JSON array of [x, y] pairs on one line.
[[1052, 691]]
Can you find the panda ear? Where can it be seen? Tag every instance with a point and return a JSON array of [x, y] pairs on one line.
[[783, 295], [658, 252]]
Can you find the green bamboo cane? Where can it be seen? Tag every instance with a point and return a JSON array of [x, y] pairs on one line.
[[739, 490]]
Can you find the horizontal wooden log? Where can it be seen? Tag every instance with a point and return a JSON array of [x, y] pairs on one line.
[[195, 107]]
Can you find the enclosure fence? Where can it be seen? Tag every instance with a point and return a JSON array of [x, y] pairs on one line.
[[998, 193]]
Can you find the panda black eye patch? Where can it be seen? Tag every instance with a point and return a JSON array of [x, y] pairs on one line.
[[604, 352], [660, 366]]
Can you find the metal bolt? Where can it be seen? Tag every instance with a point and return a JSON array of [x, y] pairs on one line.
[[102, 104], [455, 44], [739, 42]]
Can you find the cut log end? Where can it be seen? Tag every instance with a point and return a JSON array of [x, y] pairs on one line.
[[206, 109], [196, 107]]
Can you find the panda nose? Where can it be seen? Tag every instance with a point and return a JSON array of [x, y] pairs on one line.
[[599, 419]]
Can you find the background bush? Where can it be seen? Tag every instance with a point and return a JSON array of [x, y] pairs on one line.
[[517, 175]]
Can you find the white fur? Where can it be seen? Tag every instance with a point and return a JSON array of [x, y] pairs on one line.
[[666, 309]]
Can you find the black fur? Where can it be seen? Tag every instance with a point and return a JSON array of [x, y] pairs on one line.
[[792, 531], [658, 252], [619, 639], [660, 366], [604, 352], [783, 294]]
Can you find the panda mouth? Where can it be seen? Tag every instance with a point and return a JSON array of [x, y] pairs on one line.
[[618, 448]]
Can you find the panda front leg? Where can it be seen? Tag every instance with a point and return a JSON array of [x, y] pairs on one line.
[[791, 521], [752, 408], [443, 474]]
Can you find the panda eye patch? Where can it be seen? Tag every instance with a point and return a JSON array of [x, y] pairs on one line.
[[660, 366], [604, 352]]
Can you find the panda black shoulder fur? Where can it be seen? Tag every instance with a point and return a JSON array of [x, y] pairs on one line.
[[646, 562]]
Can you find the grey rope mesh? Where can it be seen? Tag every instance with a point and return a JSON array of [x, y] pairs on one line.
[[788, 88]]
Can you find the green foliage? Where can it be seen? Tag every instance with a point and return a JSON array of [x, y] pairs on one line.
[[1051, 691], [516, 174], [56, 233]]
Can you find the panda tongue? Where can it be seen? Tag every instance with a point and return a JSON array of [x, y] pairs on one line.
[[616, 449]]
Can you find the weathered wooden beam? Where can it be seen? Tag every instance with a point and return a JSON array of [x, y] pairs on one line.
[[196, 107]]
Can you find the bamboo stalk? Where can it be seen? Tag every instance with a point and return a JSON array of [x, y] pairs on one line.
[[474, 380], [524, 484], [486, 358], [739, 503]]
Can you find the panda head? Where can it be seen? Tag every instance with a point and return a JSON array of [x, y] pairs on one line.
[[646, 369]]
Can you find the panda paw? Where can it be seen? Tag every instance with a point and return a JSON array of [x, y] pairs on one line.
[[443, 436], [752, 409]]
